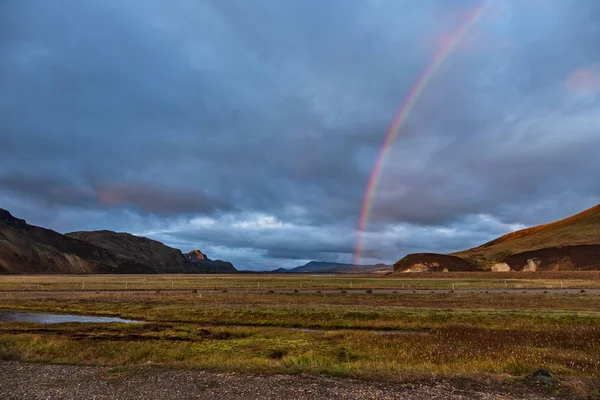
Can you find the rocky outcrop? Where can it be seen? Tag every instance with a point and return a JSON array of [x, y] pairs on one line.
[[200, 259], [196, 255], [561, 258], [501, 267], [541, 377], [532, 265], [431, 262], [8, 221]]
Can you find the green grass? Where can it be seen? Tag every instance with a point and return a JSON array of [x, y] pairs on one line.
[[449, 351], [445, 334]]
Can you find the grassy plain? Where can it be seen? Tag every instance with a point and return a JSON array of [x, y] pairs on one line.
[[482, 280], [380, 336]]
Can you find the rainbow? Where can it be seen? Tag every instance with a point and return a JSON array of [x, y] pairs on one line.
[[403, 113]]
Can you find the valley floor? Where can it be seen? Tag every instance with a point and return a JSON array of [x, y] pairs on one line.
[[302, 337]]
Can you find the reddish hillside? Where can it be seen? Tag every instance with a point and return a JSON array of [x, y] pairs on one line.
[[567, 245], [580, 229]]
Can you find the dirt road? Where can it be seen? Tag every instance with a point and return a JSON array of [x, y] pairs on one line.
[[316, 291], [39, 381]]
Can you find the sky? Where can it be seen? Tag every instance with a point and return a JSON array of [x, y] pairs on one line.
[[249, 129]]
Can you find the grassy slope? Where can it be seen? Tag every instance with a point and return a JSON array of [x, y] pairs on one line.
[[580, 229]]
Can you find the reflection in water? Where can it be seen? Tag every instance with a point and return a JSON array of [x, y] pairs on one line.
[[44, 318]]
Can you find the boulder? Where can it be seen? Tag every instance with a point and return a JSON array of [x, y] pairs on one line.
[[501, 267], [532, 265], [542, 377]]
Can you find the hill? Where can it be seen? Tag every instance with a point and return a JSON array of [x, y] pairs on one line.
[[26, 248], [570, 244], [162, 258], [30, 249], [330, 267]]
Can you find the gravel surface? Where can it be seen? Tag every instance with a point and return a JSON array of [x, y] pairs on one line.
[[315, 291], [41, 381]]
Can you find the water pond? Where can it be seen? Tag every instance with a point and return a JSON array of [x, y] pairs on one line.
[[47, 318]]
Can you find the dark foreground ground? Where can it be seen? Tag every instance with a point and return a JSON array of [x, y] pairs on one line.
[[40, 381]]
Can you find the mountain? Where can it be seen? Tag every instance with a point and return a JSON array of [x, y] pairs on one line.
[[30, 249], [330, 267], [162, 258], [201, 260], [567, 245], [145, 251]]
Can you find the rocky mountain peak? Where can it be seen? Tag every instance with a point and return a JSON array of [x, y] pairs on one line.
[[196, 255], [7, 219]]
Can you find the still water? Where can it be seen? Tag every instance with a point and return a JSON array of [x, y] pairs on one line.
[[45, 318]]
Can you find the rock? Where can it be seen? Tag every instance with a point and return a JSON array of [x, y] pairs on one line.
[[542, 377], [501, 267], [425, 262], [532, 265], [7, 219], [418, 267], [196, 255]]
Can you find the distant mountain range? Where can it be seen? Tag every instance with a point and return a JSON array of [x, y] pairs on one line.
[[27, 249], [571, 244], [330, 267]]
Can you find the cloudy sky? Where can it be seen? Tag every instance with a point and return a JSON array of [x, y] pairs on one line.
[[248, 129]]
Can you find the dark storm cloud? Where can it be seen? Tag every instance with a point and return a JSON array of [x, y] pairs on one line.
[[47, 191], [51, 192], [262, 120]]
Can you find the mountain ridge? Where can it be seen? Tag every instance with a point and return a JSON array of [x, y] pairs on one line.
[[27, 248], [334, 267]]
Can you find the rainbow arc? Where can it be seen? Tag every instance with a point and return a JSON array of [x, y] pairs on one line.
[[402, 115]]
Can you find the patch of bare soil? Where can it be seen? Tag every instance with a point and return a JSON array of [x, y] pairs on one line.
[[41, 381]]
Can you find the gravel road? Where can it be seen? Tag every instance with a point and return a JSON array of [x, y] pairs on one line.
[[314, 291], [40, 381]]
